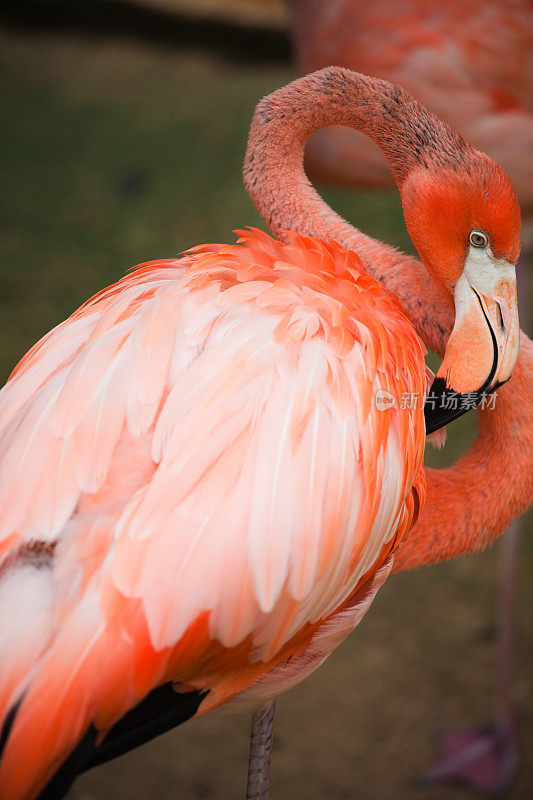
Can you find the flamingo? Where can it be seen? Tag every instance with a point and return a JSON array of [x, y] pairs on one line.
[[200, 494], [472, 65]]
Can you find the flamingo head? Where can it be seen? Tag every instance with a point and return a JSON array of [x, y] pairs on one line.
[[465, 222]]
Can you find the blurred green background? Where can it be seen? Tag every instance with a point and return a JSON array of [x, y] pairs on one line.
[[121, 148]]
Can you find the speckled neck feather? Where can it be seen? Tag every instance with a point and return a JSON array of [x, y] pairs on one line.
[[408, 135], [471, 503]]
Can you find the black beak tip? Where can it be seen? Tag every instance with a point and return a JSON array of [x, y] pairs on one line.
[[443, 405]]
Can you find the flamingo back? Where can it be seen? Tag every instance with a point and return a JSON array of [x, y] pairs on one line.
[[199, 488]]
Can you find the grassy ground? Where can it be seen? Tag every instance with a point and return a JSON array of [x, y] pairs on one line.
[[116, 152]]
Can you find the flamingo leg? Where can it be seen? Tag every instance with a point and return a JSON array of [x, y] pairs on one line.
[[486, 759], [261, 736]]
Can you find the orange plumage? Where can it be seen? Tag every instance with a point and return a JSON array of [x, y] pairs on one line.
[[161, 437]]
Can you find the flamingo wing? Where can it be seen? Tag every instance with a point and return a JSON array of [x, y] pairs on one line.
[[194, 479]]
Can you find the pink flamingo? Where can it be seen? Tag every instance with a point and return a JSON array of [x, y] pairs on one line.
[[472, 65], [200, 494]]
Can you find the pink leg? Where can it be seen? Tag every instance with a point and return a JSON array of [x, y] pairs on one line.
[[486, 759]]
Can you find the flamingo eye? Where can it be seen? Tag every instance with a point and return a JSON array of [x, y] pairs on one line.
[[478, 239]]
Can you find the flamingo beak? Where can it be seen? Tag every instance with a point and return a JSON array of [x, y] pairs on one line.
[[482, 349]]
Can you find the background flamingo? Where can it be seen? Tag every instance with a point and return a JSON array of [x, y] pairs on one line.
[[109, 394], [472, 65]]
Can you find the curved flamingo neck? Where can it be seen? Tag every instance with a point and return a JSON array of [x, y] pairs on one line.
[[409, 137], [473, 501], [469, 504]]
